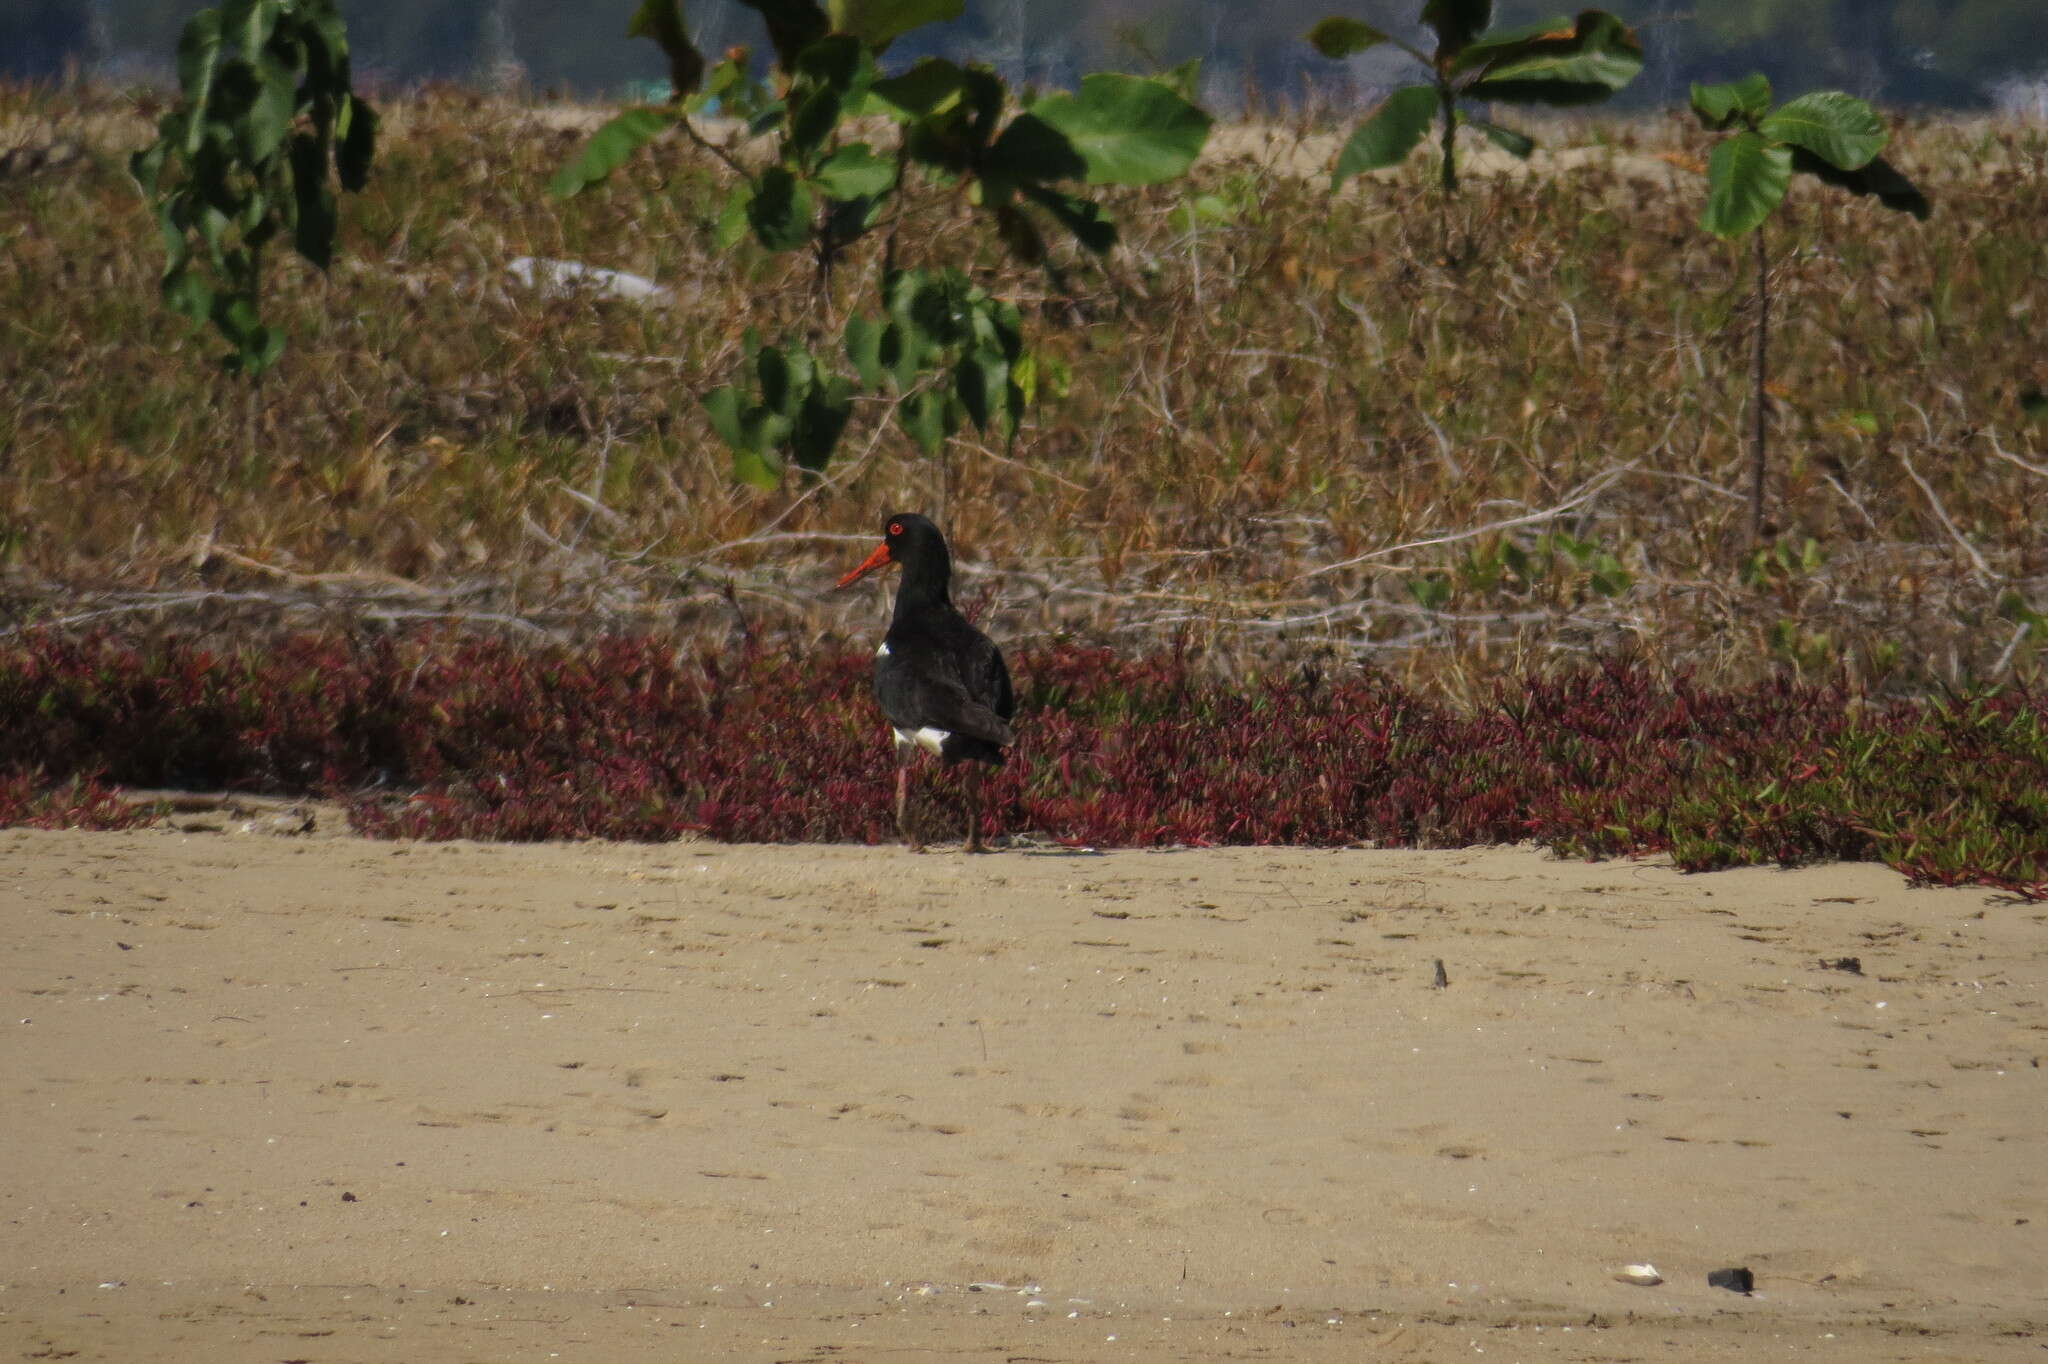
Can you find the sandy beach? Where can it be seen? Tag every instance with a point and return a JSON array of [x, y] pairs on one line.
[[315, 1098]]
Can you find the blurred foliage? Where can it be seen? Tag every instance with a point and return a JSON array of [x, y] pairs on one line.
[[1895, 51]]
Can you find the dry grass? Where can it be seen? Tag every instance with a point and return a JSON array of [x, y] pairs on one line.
[[1294, 431]]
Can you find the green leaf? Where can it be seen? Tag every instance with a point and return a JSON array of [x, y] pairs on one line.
[[1721, 107], [1596, 56], [1202, 210], [826, 407], [780, 211], [854, 171], [1515, 144], [187, 295], [930, 87], [877, 23], [1184, 80], [1876, 177], [982, 379], [756, 468], [314, 225], [1128, 130], [722, 405], [357, 129], [1839, 129], [785, 377], [793, 25], [1457, 23], [901, 353], [1337, 36], [268, 118], [863, 340], [198, 61], [814, 115], [147, 165], [1388, 134], [1746, 180], [1431, 592], [610, 147], [662, 21], [927, 418], [1502, 42], [1031, 151]]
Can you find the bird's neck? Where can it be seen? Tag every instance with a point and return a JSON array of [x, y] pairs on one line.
[[924, 588]]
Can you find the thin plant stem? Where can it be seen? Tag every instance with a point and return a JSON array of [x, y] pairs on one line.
[[1759, 371]]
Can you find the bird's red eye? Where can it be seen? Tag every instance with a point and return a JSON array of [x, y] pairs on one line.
[[895, 528]]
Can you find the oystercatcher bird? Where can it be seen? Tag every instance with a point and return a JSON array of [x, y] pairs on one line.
[[941, 682]]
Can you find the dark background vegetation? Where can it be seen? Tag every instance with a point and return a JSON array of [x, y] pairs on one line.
[[1952, 53]]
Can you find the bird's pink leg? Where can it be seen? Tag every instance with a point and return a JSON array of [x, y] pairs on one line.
[[973, 783], [903, 806]]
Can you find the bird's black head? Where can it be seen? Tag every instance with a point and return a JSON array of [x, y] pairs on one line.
[[914, 542]]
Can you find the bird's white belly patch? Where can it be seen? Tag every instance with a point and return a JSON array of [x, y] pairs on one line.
[[929, 739]]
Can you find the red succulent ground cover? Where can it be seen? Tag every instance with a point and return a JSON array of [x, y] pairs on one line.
[[447, 737]]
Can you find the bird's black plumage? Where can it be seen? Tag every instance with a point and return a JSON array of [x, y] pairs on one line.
[[941, 682]]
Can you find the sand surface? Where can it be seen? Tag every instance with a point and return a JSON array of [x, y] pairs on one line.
[[314, 1098]]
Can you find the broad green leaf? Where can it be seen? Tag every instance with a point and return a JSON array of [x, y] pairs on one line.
[[1032, 151], [1431, 592], [982, 379], [187, 295], [609, 148], [722, 405], [1184, 79], [838, 62], [1457, 23], [1202, 210], [732, 220], [930, 87], [854, 171], [756, 468], [1507, 139], [784, 375], [1387, 136], [1502, 42], [198, 61], [1338, 36], [826, 408], [814, 115], [1128, 130], [793, 25], [780, 211], [901, 353], [1024, 378], [1723, 106], [357, 130], [1876, 177], [877, 23], [1746, 180], [662, 21], [863, 340], [1582, 64], [147, 165], [927, 418], [314, 224], [267, 120], [1839, 129], [1610, 579]]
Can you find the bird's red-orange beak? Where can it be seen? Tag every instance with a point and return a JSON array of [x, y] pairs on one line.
[[879, 559]]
